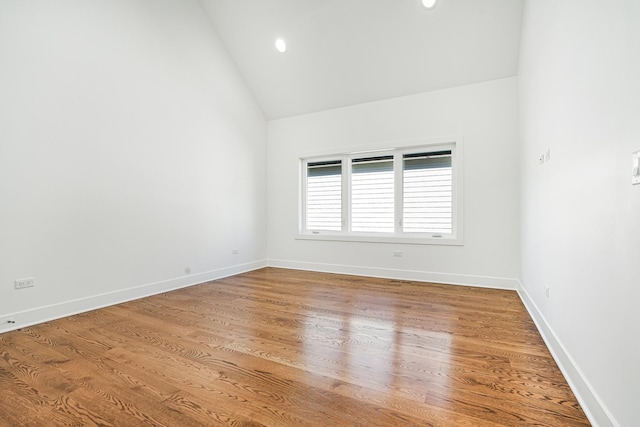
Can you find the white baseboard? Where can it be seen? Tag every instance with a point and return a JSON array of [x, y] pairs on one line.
[[594, 408], [387, 273], [596, 411], [68, 308]]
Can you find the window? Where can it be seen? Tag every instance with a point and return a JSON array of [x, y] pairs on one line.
[[408, 195], [427, 192], [324, 195], [372, 194]]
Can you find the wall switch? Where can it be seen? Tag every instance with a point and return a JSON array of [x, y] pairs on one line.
[[234, 251], [547, 155], [635, 168], [546, 290], [24, 283]]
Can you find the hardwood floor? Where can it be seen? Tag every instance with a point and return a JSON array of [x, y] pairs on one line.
[[279, 347]]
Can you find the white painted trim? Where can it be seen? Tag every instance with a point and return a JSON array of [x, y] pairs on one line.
[[395, 149], [69, 308], [352, 237], [388, 273], [594, 408]]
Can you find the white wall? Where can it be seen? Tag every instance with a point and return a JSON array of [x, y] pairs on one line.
[[485, 114], [130, 151], [580, 97]]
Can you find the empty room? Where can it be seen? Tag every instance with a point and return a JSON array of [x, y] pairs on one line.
[[319, 213]]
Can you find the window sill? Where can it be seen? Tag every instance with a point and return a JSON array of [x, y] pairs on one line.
[[439, 241]]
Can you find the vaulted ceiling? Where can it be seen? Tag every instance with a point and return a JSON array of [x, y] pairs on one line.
[[346, 52]]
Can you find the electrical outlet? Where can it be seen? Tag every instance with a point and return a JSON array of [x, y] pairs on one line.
[[24, 283], [397, 253]]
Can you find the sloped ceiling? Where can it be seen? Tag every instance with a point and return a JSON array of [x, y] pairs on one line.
[[346, 52]]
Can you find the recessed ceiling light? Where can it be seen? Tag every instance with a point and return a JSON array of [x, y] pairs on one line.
[[429, 4], [281, 45]]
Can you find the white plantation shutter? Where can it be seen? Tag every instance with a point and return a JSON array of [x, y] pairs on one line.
[[372, 194], [324, 196], [395, 195], [427, 193]]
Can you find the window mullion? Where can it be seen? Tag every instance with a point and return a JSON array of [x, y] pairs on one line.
[[303, 202], [346, 194], [400, 193], [397, 187]]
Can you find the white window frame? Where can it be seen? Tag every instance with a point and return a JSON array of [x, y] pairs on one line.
[[455, 238]]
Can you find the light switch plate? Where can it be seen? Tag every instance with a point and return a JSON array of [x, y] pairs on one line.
[[635, 168]]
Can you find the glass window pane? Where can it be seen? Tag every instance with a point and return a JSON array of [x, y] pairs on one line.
[[372, 200], [324, 196], [427, 193]]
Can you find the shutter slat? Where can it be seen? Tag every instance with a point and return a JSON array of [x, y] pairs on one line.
[[324, 196], [427, 193], [372, 197]]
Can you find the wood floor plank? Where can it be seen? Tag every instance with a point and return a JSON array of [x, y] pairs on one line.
[[278, 347]]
